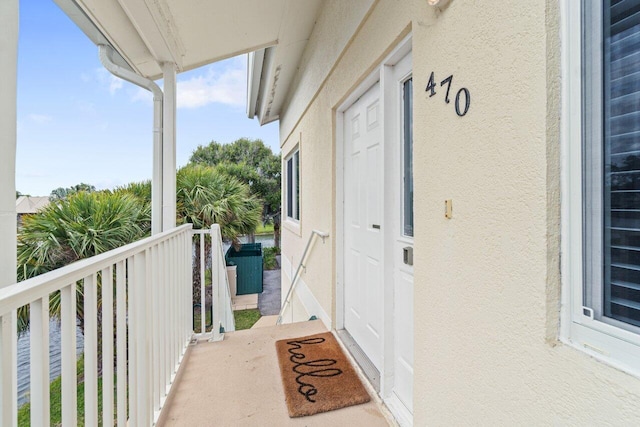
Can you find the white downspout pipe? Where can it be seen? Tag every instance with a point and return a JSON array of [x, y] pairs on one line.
[[156, 183]]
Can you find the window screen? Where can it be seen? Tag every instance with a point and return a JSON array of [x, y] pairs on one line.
[[293, 186], [612, 160], [290, 188]]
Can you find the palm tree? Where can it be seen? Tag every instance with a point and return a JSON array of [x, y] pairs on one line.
[[206, 196], [80, 226]]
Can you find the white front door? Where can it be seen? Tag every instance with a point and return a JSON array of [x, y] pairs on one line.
[[363, 237], [378, 231]]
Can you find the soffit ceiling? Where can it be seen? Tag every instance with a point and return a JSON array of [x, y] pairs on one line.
[[192, 33]]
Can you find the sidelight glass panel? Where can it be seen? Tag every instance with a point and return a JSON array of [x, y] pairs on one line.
[[407, 161]]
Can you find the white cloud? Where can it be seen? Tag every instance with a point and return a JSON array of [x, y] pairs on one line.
[[222, 83], [114, 84], [142, 95], [227, 87], [40, 119], [106, 79]]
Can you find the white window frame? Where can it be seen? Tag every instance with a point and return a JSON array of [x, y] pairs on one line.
[[606, 342], [294, 179]]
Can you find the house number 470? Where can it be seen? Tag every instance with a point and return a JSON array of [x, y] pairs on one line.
[[461, 109]]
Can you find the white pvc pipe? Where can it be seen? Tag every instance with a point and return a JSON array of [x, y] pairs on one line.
[[105, 53]]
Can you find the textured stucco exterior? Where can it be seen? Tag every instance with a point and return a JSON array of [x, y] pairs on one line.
[[487, 282]]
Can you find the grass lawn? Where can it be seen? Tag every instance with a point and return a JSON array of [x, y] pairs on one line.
[[55, 391], [269, 258], [245, 319], [268, 229]]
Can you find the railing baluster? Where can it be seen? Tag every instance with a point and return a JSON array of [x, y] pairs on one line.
[[107, 346], [141, 354], [90, 350], [181, 286], [121, 343], [156, 331], [147, 356], [68, 355], [9, 371], [39, 363], [132, 322], [168, 314], [187, 284], [215, 287], [174, 297], [202, 294], [162, 287]]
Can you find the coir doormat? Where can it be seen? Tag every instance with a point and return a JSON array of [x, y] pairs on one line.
[[317, 376]]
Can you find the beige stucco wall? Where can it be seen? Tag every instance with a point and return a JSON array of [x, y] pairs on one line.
[[487, 281]]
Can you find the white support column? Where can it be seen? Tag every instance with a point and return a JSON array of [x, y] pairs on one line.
[[8, 96], [169, 147]]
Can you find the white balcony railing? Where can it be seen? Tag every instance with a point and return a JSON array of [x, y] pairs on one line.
[[219, 310], [146, 324]]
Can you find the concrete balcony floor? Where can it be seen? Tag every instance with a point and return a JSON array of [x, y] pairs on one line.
[[237, 382]]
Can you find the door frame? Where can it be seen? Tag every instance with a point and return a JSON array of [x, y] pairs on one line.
[[383, 73]]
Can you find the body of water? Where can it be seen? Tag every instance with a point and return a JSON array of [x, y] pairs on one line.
[[266, 240], [24, 351]]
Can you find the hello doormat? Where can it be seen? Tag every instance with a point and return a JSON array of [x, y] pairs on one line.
[[317, 376]]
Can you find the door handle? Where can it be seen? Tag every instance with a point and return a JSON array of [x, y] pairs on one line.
[[407, 255], [376, 226]]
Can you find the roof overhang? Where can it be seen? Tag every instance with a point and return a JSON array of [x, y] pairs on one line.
[[271, 70], [190, 34]]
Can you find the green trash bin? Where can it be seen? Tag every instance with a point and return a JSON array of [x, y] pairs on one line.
[[249, 267]]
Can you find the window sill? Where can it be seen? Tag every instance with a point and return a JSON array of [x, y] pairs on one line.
[[610, 349], [293, 226]]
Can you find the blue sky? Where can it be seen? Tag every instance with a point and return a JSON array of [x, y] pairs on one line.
[[77, 123]]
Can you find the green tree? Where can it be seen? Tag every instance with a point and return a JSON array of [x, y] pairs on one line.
[[206, 196], [62, 193], [249, 161]]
